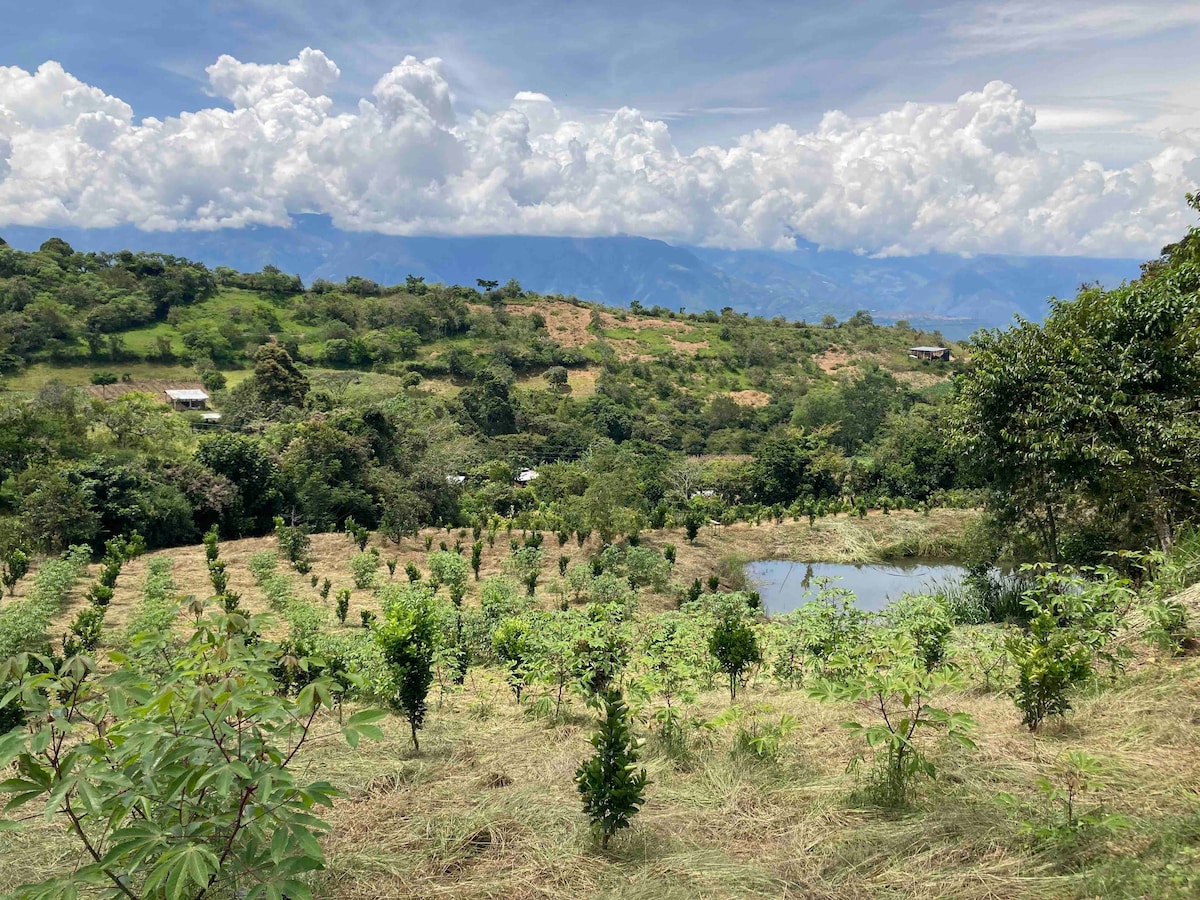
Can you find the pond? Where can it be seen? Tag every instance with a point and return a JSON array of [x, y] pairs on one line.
[[786, 585]]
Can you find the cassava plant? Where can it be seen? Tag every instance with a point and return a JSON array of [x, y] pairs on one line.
[[172, 788], [890, 682]]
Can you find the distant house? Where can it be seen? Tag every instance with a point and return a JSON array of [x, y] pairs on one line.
[[455, 480], [525, 476], [707, 495], [937, 353], [190, 398], [210, 418]]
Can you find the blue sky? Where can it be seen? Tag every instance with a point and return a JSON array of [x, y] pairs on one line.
[[1117, 84]]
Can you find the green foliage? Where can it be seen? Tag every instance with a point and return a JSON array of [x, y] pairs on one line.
[[612, 787], [13, 567], [295, 545], [1167, 625], [24, 622], [343, 604], [757, 735], [927, 621], [807, 640], [734, 646], [363, 569], [890, 679], [512, 645], [408, 640], [263, 564], [448, 568], [1059, 818], [212, 769], [1073, 620]]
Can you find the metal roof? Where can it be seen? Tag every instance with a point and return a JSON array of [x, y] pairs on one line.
[[928, 349], [527, 475], [187, 394]]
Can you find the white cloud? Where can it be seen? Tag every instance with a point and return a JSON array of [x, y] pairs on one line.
[[967, 176]]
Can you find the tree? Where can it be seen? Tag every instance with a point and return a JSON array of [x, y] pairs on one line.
[[13, 567], [734, 647], [137, 421], [408, 640], [612, 787], [60, 512], [791, 465], [1096, 407], [276, 378], [128, 756], [556, 377]]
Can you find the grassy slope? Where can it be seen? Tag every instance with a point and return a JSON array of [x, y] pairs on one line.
[[489, 808]]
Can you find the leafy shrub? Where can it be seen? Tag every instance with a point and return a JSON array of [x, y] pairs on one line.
[[177, 751], [262, 564], [1060, 818], [363, 567], [734, 646], [1167, 627], [758, 735], [1072, 622], [511, 644], [612, 787], [407, 638], [85, 632], [13, 567], [891, 680], [927, 621], [343, 604], [211, 545], [218, 576], [295, 545], [24, 623], [808, 638]]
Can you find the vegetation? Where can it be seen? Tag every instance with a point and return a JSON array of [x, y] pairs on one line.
[[165, 710]]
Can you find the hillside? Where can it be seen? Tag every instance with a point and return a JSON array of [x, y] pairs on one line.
[[952, 293], [488, 806]]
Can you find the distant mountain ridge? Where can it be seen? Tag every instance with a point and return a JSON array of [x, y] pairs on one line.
[[955, 294]]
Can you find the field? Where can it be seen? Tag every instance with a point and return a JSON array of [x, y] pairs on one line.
[[488, 807]]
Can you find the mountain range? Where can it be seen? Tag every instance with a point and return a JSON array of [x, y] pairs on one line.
[[952, 293]]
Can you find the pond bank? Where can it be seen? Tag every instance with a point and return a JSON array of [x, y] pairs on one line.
[[904, 534]]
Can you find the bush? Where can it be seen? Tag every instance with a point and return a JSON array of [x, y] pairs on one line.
[[169, 740], [407, 638], [343, 604], [1167, 627], [612, 787], [890, 679], [735, 648], [295, 545], [363, 567]]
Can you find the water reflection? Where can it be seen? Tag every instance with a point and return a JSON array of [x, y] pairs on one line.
[[786, 585]]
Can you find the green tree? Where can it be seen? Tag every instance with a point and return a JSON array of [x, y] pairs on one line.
[[276, 378], [408, 638], [734, 646], [612, 786]]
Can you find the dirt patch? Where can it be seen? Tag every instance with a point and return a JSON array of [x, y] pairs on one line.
[[918, 380], [749, 398], [832, 359], [153, 387]]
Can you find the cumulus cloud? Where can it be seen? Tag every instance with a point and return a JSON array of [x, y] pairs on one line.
[[967, 176]]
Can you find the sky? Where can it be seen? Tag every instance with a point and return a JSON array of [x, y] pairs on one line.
[[882, 127]]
